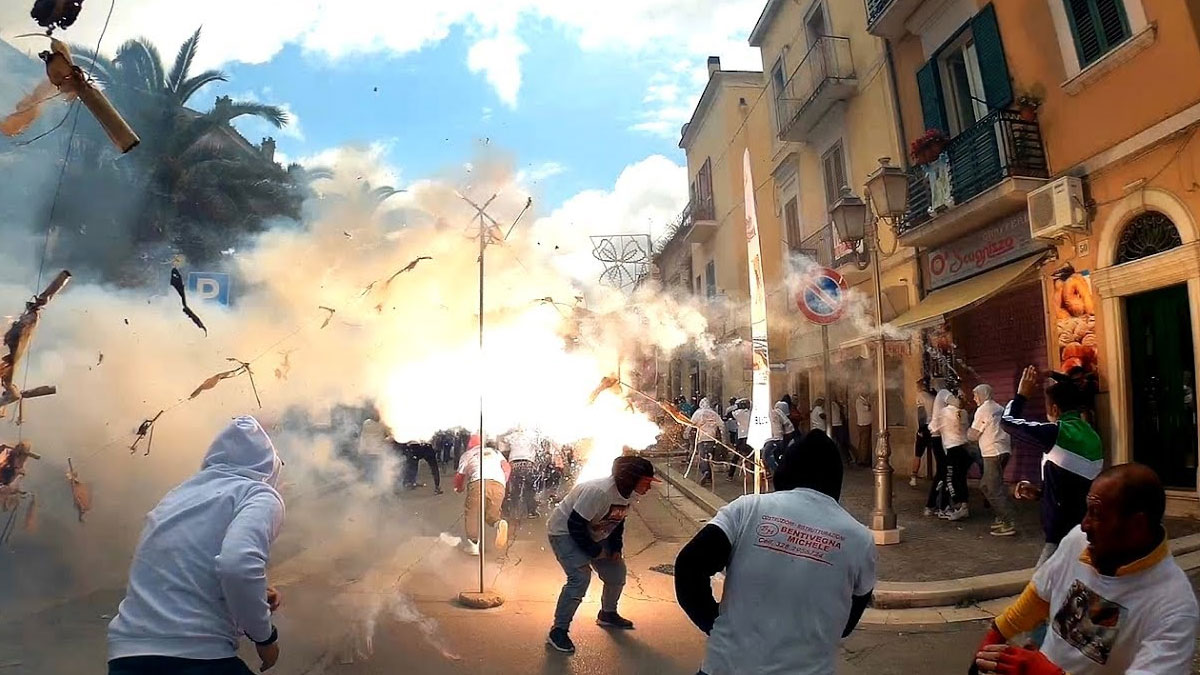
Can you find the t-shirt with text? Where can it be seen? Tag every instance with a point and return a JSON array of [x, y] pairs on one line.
[[598, 502], [798, 559]]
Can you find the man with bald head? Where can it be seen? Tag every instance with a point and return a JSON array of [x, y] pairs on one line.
[[1113, 595]]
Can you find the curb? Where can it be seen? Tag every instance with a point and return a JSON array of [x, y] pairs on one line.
[[936, 601]]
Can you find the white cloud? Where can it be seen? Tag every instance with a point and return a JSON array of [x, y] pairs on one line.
[[354, 163], [499, 59], [235, 30], [645, 199]]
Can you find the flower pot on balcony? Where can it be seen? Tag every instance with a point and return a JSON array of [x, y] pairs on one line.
[[929, 154], [1028, 113]]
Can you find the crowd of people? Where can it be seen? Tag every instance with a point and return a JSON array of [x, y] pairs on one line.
[[1106, 597]]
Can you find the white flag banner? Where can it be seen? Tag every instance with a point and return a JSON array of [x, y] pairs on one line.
[[760, 410]]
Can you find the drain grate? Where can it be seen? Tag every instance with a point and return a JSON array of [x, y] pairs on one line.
[[665, 568]]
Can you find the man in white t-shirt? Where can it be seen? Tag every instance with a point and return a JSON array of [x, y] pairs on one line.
[[863, 419], [800, 571], [586, 532], [996, 447], [521, 500], [1114, 597], [487, 471]]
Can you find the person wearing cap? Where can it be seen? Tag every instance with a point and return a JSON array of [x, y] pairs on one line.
[[487, 471], [800, 571], [586, 533], [198, 581]]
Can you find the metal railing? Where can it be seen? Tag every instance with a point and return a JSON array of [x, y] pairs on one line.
[[828, 60], [875, 9], [697, 209], [817, 246], [997, 147]]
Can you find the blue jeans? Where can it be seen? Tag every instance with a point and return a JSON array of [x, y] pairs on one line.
[[578, 566]]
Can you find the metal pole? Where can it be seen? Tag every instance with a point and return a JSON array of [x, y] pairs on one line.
[[482, 384], [883, 516], [828, 407]]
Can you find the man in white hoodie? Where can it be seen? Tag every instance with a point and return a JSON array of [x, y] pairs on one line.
[[198, 581]]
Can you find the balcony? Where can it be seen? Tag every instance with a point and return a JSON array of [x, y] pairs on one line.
[[886, 18], [817, 247], [984, 173], [824, 77], [698, 222]]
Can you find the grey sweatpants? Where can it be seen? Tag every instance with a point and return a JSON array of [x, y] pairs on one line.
[[993, 487]]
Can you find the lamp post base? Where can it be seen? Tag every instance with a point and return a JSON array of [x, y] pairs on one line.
[[887, 537], [883, 516], [480, 600]]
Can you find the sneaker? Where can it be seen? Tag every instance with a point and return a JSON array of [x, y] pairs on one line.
[[942, 513], [471, 547], [958, 514], [928, 512], [438, 491], [997, 524], [558, 639], [1005, 530], [912, 481], [534, 515], [502, 534], [613, 620]]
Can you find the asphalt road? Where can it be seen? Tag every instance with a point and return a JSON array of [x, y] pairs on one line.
[[374, 593]]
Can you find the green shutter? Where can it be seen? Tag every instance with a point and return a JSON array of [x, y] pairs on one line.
[[997, 88], [930, 85], [1098, 26]]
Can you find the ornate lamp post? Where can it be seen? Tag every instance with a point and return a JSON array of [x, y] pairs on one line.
[[887, 192]]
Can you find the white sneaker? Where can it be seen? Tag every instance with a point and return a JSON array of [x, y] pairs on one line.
[[501, 534], [997, 524], [471, 547], [958, 514], [927, 512], [912, 481]]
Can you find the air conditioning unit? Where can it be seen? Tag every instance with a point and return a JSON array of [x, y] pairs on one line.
[[1057, 208]]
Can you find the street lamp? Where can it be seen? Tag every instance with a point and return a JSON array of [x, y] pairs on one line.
[[887, 198]]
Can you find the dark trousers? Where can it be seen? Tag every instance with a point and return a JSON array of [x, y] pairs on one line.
[[706, 450], [746, 459], [958, 462], [522, 490], [166, 665], [937, 491], [413, 458]]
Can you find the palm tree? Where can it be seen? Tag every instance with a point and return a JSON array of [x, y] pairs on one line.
[[179, 143]]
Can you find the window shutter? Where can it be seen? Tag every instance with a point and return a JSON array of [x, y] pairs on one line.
[[1098, 26], [997, 88], [930, 86], [1113, 26]]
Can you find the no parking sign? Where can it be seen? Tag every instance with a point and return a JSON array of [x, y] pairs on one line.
[[822, 298]]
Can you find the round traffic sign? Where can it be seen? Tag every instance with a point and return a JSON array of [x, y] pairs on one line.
[[822, 298]]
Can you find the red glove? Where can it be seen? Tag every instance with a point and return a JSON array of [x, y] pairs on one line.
[[1017, 661], [993, 637]]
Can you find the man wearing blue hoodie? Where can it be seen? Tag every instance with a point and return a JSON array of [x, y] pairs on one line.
[[198, 581]]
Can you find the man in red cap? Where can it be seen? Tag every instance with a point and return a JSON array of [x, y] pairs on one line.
[[485, 470], [587, 532]]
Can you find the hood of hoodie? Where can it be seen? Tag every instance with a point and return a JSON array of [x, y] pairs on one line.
[[705, 405], [244, 449], [782, 407]]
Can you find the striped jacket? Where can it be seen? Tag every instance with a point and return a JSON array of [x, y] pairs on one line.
[[1072, 456]]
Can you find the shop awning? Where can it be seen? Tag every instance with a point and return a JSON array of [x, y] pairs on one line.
[[966, 294]]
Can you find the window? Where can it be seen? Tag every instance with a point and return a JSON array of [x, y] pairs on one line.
[[791, 221], [710, 279], [815, 24], [779, 84], [1098, 26], [962, 83], [834, 164], [1146, 235], [704, 203]]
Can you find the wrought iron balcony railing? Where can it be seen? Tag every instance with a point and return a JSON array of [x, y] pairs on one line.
[[875, 9], [697, 209], [828, 62], [997, 147]]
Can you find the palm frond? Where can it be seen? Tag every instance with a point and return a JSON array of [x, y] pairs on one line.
[[271, 114], [183, 62], [188, 88], [141, 65], [100, 67]]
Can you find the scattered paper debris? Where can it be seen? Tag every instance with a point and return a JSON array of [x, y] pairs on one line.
[[177, 284]]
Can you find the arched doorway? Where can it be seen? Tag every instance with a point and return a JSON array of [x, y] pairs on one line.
[[1162, 383], [1147, 279]]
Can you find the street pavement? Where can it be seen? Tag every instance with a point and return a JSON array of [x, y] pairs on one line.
[[383, 602]]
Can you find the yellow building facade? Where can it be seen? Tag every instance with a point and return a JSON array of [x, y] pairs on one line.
[[1056, 209], [833, 116], [706, 253]]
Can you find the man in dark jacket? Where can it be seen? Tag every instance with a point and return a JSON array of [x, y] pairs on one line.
[[1073, 453], [587, 532]]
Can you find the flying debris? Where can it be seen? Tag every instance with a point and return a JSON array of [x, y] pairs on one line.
[[145, 431], [81, 494], [177, 284], [281, 373], [242, 368], [329, 318], [18, 337], [609, 383], [12, 464], [101, 359], [408, 268], [56, 13]]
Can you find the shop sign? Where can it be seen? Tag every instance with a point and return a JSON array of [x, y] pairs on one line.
[[1001, 242]]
